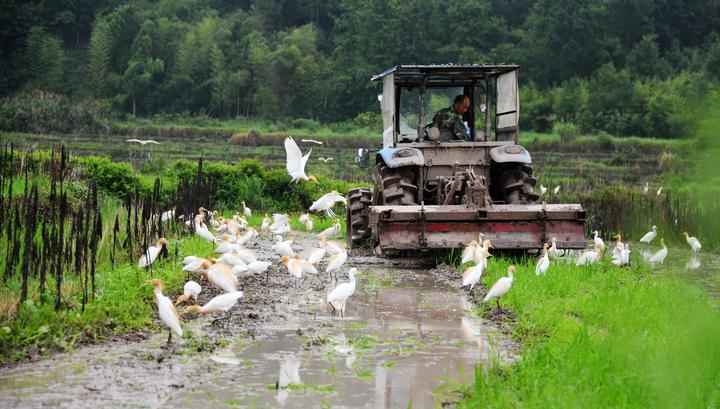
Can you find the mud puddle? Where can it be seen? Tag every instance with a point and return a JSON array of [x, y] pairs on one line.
[[405, 333]]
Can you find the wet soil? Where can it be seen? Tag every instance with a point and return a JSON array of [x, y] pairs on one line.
[[408, 334]]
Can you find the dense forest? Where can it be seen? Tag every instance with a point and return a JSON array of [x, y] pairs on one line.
[[636, 67]]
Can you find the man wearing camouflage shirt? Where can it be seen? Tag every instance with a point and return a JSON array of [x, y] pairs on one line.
[[449, 120]]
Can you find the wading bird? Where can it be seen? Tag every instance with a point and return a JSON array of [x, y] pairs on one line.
[[659, 191], [660, 255], [501, 287], [265, 224], [469, 252], [143, 142], [335, 262], [693, 242], [190, 289], [247, 212], [292, 265], [338, 297], [472, 275], [589, 256], [221, 303], [649, 236], [152, 253], [166, 310], [221, 276], [296, 162], [331, 231], [283, 247], [326, 202], [543, 263]]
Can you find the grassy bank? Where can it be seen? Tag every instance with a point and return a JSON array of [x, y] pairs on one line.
[[603, 336]]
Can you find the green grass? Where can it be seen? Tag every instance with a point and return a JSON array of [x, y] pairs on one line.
[[603, 336]]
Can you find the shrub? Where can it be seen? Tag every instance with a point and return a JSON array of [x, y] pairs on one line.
[[665, 161], [115, 178], [568, 131], [45, 112]]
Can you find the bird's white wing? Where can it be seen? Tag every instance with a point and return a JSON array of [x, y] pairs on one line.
[[340, 293], [311, 141], [281, 218], [304, 161], [647, 238], [151, 141], [168, 314], [133, 140], [294, 157]]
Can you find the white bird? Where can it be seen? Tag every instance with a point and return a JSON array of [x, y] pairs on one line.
[[166, 310], [335, 262], [143, 142], [338, 297], [315, 255], [332, 247], [227, 247], [660, 255], [246, 255], [479, 256], [247, 212], [469, 252], [265, 224], [647, 186], [190, 289], [589, 256], [221, 303], [326, 202], [283, 247], [543, 263], [557, 189], [649, 236], [231, 259], [325, 160], [196, 265], [501, 287], [331, 231], [553, 250], [281, 224], [250, 234], [167, 215], [221, 276], [621, 252], [258, 267], [659, 191], [292, 265], [205, 233], [543, 189], [296, 162], [152, 253], [471, 275], [311, 141], [598, 241], [693, 242]]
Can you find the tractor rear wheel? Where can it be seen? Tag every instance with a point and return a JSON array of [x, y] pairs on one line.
[[357, 219], [518, 185], [396, 185]]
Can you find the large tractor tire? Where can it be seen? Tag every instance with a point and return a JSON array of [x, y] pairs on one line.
[[396, 186], [518, 184], [357, 219]]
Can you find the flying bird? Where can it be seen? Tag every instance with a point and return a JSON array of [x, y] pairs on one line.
[[311, 141], [143, 142], [325, 160], [296, 162], [326, 202]]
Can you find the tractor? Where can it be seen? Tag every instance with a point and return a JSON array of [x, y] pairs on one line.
[[435, 192]]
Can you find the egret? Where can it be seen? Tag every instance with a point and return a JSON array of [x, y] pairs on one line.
[[553, 251], [315, 255], [557, 189], [543, 189], [543, 263], [221, 303], [190, 289], [296, 162], [332, 247], [659, 191], [311, 141], [660, 255], [325, 160], [589, 256], [227, 247], [221, 276], [693, 242], [247, 212], [338, 297], [649, 236], [152, 253], [469, 252], [246, 255], [143, 142], [198, 265], [479, 257], [281, 224], [249, 235], [646, 188], [331, 231], [283, 247], [501, 287], [598, 241], [292, 265], [265, 223], [204, 233], [167, 215], [231, 259], [166, 310], [258, 267], [471, 276], [335, 262], [622, 257], [326, 202]]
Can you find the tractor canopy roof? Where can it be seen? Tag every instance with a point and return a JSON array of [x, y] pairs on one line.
[[436, 74]]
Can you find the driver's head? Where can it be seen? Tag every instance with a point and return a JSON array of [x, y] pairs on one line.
[[461, 104]]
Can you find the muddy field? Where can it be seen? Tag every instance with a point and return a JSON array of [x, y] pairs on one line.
[[408, 331]]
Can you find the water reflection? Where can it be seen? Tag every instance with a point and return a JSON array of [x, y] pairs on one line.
[[289, 375], [693, 263]]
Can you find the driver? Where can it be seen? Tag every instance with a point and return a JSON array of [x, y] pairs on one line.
[[449, 120]]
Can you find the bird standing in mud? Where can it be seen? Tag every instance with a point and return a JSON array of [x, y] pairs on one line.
[[152, 253], [543, 263], [335, 262], [190, 289], [166, 310], [338, 297], [296, 162], [221, 303], [501, 287], [693, 242]]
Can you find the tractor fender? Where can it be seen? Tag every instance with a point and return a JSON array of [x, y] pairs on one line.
[[397, 157], [510, 153]]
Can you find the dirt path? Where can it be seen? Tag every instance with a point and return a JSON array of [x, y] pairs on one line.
[[406, 330]]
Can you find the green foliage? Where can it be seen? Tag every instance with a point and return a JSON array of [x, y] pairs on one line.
[[45, 112], [115, 178]]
